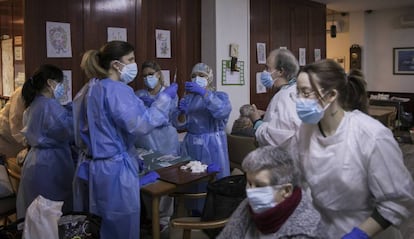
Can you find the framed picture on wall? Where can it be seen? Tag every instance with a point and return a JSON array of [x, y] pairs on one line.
[[403, 61]]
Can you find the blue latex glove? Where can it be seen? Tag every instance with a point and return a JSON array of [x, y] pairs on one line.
[[171, 90], [83, 170], [147, 100], [213, 168], [183, 106], [356, 233], [195, 88], [150, 177], [266, 79]]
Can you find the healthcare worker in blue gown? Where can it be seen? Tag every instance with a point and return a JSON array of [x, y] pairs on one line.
[[108, 117], [164, 138], [204, 113], [48, 128]]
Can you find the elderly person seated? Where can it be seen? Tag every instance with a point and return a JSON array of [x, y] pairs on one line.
[[276, 206], [243, 126]]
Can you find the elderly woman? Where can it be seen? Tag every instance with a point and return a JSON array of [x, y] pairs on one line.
[[243, 126], [276, 206]]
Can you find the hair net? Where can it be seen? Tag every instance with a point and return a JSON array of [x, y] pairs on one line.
[[204, 68]]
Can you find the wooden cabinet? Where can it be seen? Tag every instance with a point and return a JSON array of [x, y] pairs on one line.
[[278, 23]]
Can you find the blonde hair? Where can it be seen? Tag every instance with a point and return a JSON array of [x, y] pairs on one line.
[[96, 64], [90, 65]]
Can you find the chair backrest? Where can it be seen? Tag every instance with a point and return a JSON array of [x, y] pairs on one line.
[[239, 147], [385, 114]]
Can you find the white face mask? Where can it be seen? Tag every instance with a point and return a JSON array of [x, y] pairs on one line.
[[151, 81], [129, 72], [262, 198], [201, 81]]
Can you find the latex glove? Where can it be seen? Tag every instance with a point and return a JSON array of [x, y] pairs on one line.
[[171, 90], [195, 88], [266, 79], [150, 177], [183, 106], [147, 100], [213, 168], [356, 233]]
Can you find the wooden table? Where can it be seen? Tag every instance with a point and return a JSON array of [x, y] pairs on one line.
[[171, 179]]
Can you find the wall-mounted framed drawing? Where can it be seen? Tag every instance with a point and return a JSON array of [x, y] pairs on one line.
[[403, 61]]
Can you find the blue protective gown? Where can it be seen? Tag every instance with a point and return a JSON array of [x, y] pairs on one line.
[[48, 169], [108, 118], [164, 138], [206, 121]]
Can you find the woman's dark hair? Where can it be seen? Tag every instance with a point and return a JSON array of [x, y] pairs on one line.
[[351, 88], [38, 81], [97, 63]]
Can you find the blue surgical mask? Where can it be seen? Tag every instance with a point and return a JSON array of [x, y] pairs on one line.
[[309, 110], [151, 81], [266, 78], [129, 72], [201, 81], [59, 91], [261, 198]]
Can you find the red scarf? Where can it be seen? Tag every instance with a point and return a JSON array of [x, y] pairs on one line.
[[272, 219]]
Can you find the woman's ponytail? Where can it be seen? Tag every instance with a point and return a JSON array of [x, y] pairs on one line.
[[357, 97]]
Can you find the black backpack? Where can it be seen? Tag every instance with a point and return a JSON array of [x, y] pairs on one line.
[[223, 197]]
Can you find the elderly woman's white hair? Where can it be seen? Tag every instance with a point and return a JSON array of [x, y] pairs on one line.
[[205, 69]]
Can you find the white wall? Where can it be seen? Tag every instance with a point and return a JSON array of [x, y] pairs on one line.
[[233, 27], [332, 51], [377, 33], [383, 33]]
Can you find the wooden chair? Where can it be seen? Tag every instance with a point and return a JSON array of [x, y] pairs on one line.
[[8, 203], [187, 224], [387, 115], [239, 147], [231, 187]]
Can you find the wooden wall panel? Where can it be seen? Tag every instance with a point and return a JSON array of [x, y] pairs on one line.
[[280, 29], [299, 28], [293, 24], [183, 20], [189, 45], [89, 20], [101, 14], [317, 31], [260, 27], [36, 16]]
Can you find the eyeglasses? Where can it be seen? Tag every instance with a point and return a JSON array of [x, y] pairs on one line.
[[305, 94]]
